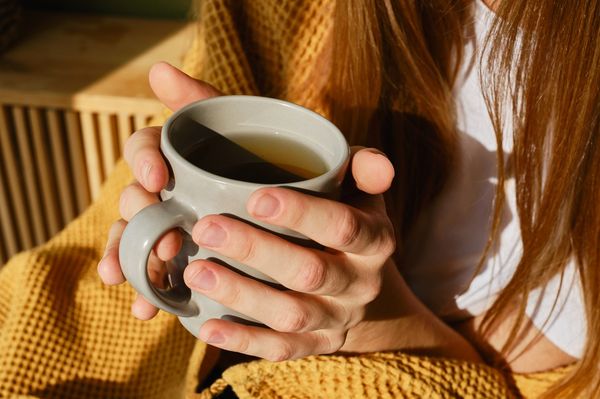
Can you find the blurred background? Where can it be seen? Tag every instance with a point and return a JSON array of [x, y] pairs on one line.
[[173, 9], [73, 87]]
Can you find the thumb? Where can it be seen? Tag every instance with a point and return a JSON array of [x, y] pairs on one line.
[[176, 89], [372, 170]]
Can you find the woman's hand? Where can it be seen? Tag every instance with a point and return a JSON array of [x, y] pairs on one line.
[[175, 90], [329, 290], [349, 296]]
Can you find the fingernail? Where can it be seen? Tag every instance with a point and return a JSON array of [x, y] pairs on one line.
[[203, 279], [374, 151], [213, 235], [266, 206], [215, 338]]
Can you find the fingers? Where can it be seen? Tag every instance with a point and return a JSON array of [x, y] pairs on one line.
[[330, 223], [268, 344], [157, 272], [133, 199], [109, 268], [110, 273], [287, 311], [372, 171], [304, 269], [145, 160], [143, 309], [176, 89]]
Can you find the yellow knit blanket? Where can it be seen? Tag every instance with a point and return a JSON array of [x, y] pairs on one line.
[[63, 334]]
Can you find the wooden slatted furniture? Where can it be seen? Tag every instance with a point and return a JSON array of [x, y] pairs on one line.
[[71, 91]]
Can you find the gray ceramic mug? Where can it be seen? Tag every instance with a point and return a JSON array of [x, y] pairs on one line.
[[193, 193]]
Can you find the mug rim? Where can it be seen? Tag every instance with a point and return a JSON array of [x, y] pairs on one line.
[[329, 174]]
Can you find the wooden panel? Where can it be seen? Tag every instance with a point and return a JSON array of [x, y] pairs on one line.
[[78, 164], [3, 256], [72, 91], [28, 172], [14, 180], [92, 153], [44, 164], [124, 123], [6, 221], [60, 165], [140, 121], [108, 141]]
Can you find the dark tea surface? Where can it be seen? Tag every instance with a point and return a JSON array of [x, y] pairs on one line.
[[257, 158]]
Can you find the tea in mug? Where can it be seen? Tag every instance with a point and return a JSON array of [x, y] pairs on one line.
[[264, 158]]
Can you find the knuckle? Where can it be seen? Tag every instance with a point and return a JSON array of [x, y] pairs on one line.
[[231, 296], [281, 353], [243, 345], [247, 253], [336, 342], [330, 343], [342, 315], [388, 242], [294, 213], [138, 139], [295, 319], [347, 229], [371, 290], [126, 199], [116, 229], [129, 147], [312, 275]]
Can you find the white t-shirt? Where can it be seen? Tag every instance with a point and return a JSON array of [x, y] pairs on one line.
[[448, 240]]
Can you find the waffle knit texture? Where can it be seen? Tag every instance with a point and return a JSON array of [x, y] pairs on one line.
[[63, 334]]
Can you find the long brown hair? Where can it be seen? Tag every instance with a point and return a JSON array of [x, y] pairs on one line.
[[394, 76], [554, 81], [393, 67]]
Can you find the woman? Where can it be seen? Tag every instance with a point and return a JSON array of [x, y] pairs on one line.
[[444, 250], [404, 77]]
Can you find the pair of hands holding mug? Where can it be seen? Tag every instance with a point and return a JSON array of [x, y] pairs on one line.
[[329, 290]]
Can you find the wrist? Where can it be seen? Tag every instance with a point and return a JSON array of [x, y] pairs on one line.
[[398, 320]]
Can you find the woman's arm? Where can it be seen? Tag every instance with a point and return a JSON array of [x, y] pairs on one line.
[[533, 352], [397, 319]]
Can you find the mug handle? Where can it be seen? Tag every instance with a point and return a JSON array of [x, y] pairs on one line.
[[138, 239]]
